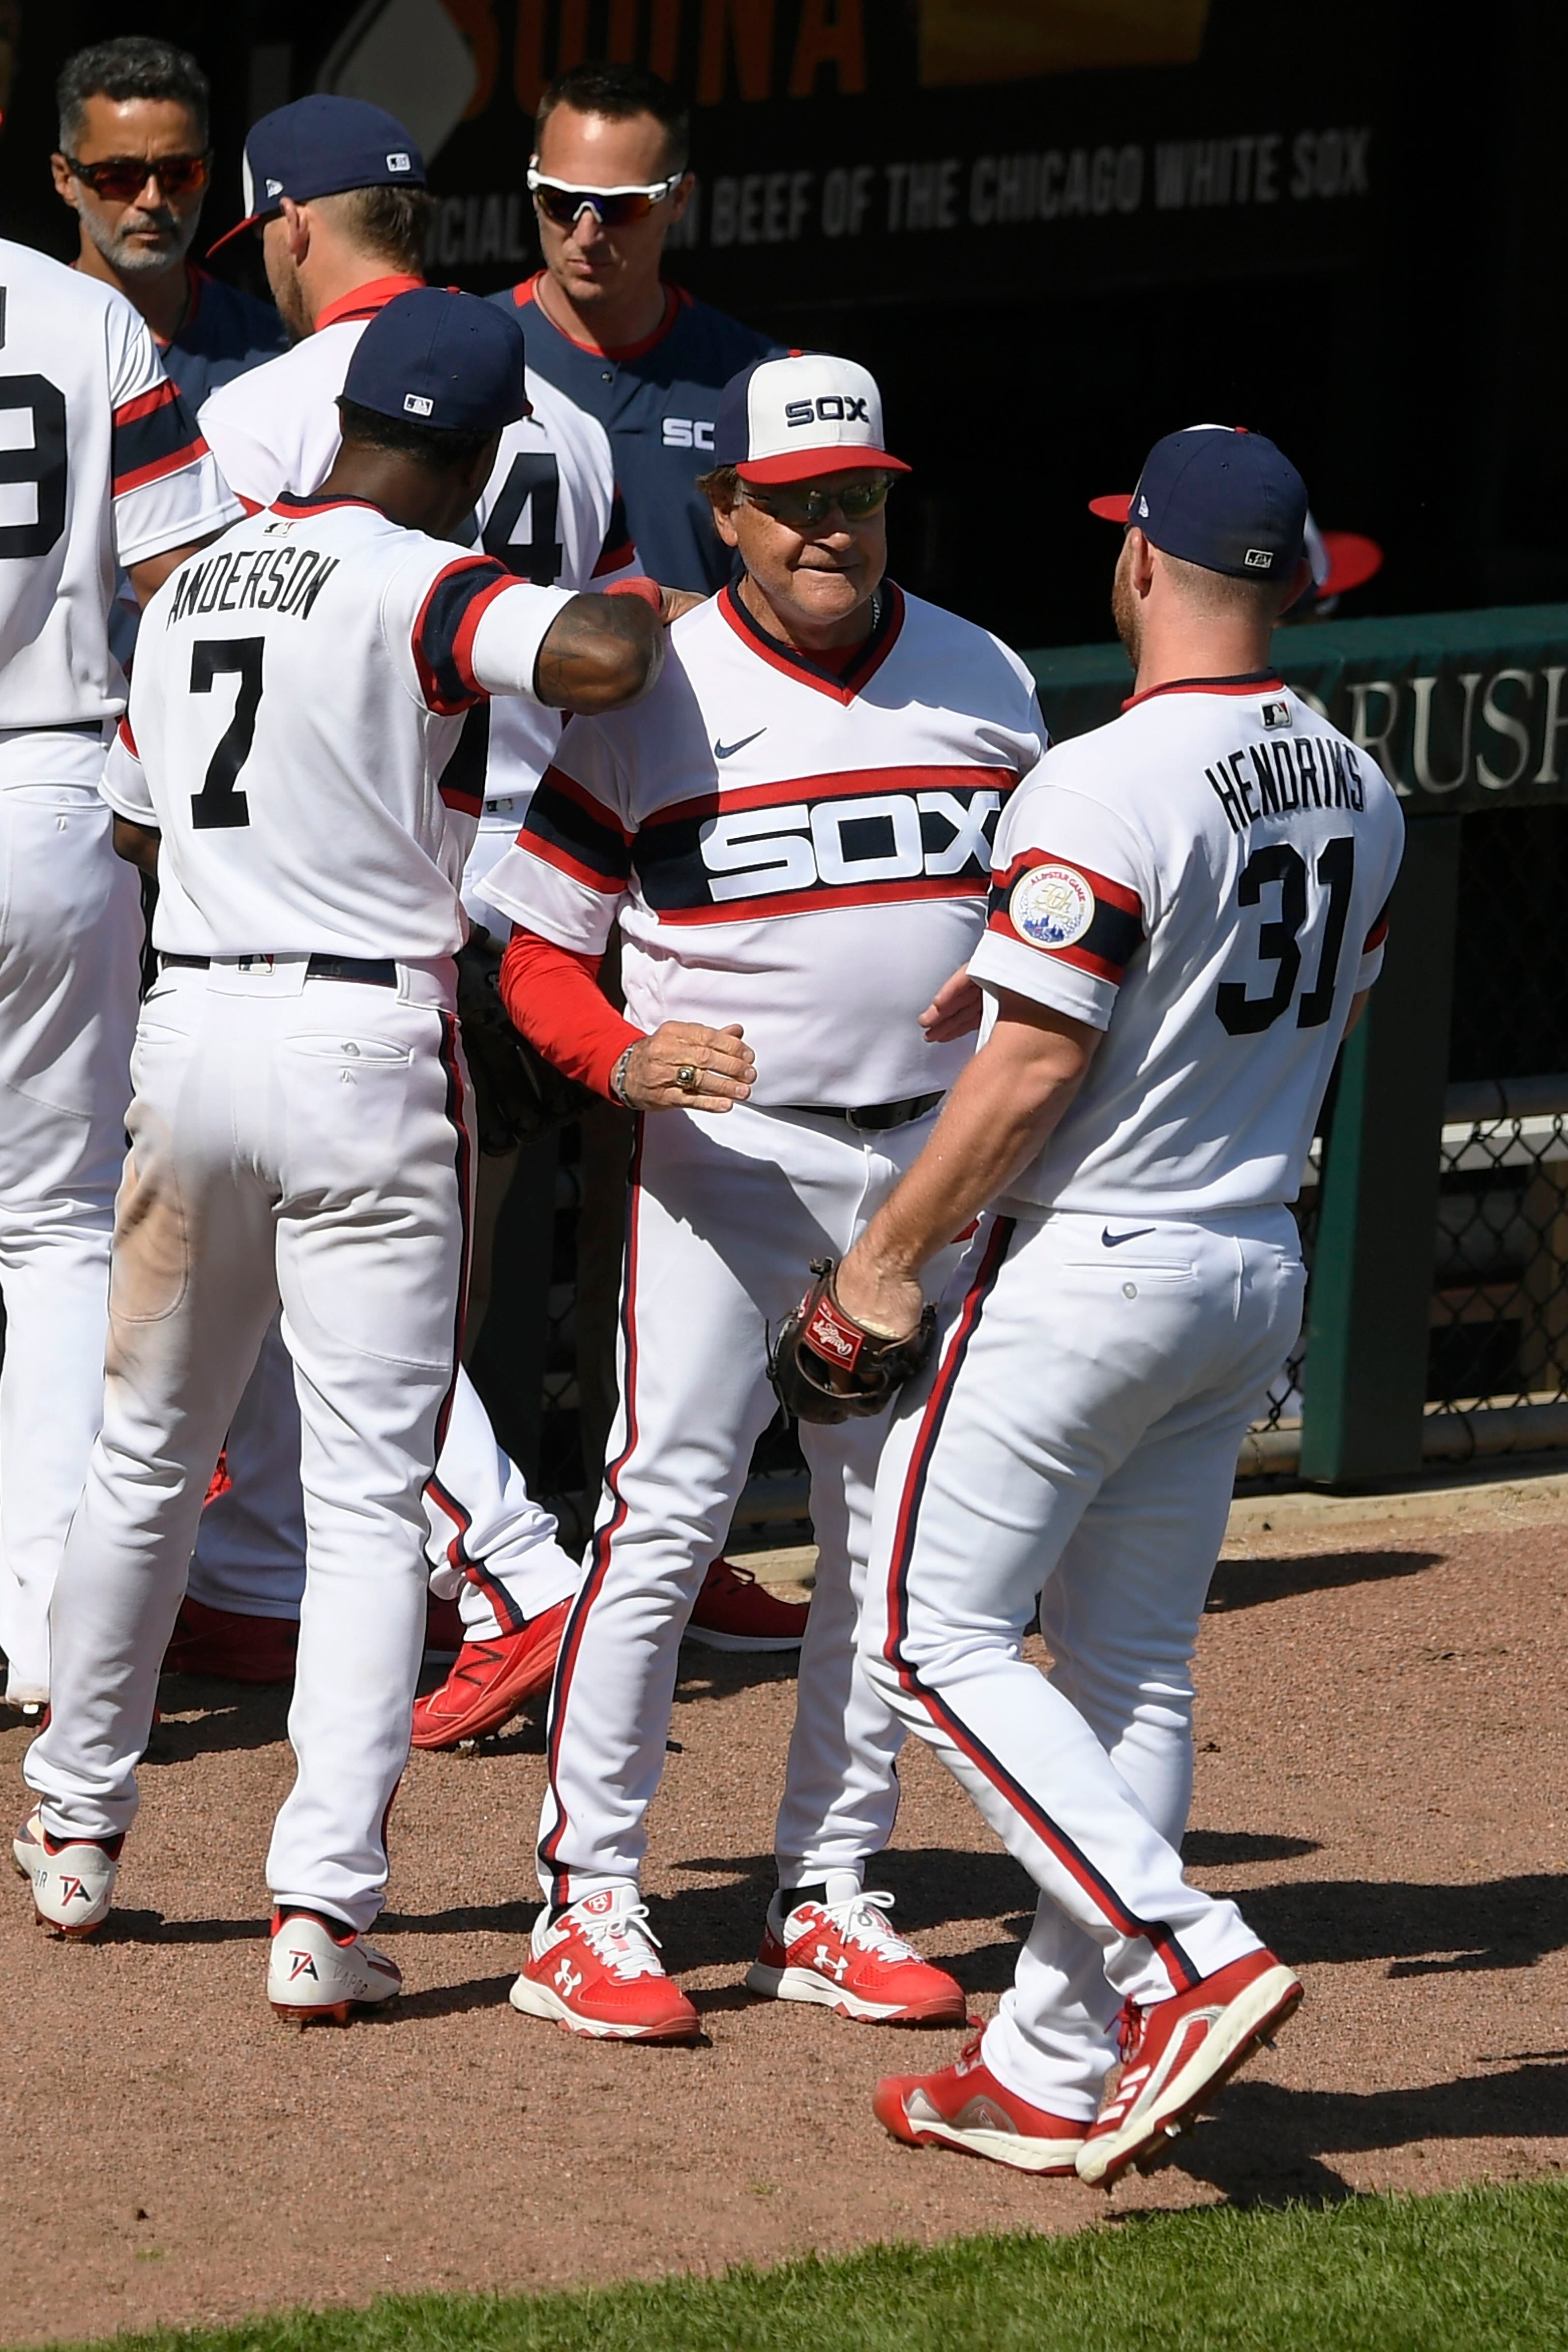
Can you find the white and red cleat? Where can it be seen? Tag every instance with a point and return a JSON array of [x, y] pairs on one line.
[[596, 1971], [966, 2108], [318, 1969], [72, 1878], [490, 1681], [843, 1955], [733, 1611], [1176, 2054]]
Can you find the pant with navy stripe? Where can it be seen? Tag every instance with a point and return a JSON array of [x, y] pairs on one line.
[[724, 1215], [1075, 1444], [302, 1142]]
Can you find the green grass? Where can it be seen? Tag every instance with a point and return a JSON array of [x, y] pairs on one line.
[[1482, 2271]]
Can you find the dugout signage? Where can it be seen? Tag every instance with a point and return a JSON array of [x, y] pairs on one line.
[[1463, 710], [885, 150]]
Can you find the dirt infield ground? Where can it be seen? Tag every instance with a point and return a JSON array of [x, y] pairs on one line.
[[1383, 1780]]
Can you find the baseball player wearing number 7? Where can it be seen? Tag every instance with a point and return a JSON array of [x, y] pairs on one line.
[[1187, 910], [793, 835], [294, 757]]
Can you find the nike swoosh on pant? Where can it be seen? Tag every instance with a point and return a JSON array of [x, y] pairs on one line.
[[1114, 1241]]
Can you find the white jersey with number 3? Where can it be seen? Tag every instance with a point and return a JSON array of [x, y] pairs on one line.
[[306, 732], [100, 464], [1205, 879]]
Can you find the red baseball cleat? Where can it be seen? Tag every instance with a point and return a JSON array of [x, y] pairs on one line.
[[1176, 2054], [596, 1971], [733, 1611], [319, 1969], [221, 1642], [490, 1681], [72, 1878], [843, 1955], [966, 2108]]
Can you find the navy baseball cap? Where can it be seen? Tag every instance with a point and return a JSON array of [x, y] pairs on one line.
[[1218, 496], [439, 358], [319, 147]]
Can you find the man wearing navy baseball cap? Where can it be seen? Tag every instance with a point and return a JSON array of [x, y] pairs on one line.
[[1187, 909], [299, 1126]]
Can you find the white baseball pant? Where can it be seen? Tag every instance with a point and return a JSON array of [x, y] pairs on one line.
[[301, 1140], [70, 935], [492, 1547], [1075, 1442], [724, 1215]]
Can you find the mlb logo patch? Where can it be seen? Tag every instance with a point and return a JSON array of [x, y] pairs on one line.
[[1277, 714], [1258, 559], [416, 404], [398, 162]]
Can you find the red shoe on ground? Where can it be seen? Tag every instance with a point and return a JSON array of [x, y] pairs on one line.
[[220, 1641], [843, 1955], [490, 1681], [1176, 2054], [733, 1611], [966, 2108], [596, 1971]]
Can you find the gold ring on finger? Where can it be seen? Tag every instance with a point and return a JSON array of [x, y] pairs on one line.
[[689, 1078]]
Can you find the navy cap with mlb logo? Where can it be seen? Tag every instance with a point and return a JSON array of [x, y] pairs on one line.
[[437, 358], [1218, 496], [321, 146]]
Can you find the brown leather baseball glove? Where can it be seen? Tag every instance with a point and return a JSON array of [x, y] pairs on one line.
[[826, 1365]]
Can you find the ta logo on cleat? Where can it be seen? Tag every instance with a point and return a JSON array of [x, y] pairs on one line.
[[304, 1966]]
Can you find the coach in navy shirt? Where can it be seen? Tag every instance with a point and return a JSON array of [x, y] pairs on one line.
[[609, 179], [134, 167]]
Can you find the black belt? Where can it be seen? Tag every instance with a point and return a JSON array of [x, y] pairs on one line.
[[873, 1116], [370, 972]]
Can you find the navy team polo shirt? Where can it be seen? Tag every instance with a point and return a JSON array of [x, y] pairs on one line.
[[656, 399], [224, 332]]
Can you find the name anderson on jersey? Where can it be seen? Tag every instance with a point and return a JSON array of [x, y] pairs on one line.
[[252, 578]]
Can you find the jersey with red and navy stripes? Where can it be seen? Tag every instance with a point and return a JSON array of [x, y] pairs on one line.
[[104, 465], [550, 511], [803, 851], [307, 731], [1206, 880]]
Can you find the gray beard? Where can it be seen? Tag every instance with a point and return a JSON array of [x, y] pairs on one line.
[[134, 261]]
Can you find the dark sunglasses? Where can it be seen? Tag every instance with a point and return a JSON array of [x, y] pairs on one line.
[[801, 506], [120, 177], [613, 208]]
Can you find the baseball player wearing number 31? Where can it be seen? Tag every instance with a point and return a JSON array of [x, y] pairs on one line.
[[1187, 909], [294, 760]]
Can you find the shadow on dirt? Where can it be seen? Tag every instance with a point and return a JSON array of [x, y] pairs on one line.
[[1267, 2146], [1249, 1583]]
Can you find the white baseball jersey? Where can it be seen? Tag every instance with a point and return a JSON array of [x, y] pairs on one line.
[[306, 732], [1204, 879], [802, 852], [549, 512], [103, 463]]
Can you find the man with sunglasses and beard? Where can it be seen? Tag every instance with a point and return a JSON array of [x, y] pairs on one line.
[[134, 167], [610, 179], [793, 836]]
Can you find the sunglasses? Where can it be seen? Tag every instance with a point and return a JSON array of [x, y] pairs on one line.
[[124, 176], [612, 207], [803, 505]]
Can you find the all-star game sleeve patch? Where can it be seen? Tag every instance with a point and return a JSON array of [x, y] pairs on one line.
[[1068, 912]]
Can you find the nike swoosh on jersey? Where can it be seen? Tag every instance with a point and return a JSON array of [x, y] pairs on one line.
[[726, 750], [1114, 1241]]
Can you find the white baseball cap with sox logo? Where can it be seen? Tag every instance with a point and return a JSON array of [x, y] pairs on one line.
[[793, 419]]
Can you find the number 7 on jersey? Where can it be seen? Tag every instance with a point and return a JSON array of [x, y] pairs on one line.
[[218, 804]]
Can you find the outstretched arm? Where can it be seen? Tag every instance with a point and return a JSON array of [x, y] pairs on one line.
[[1004, 1106], [599, 653]]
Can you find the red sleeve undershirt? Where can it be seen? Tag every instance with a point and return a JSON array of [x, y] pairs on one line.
[[553, 997]]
